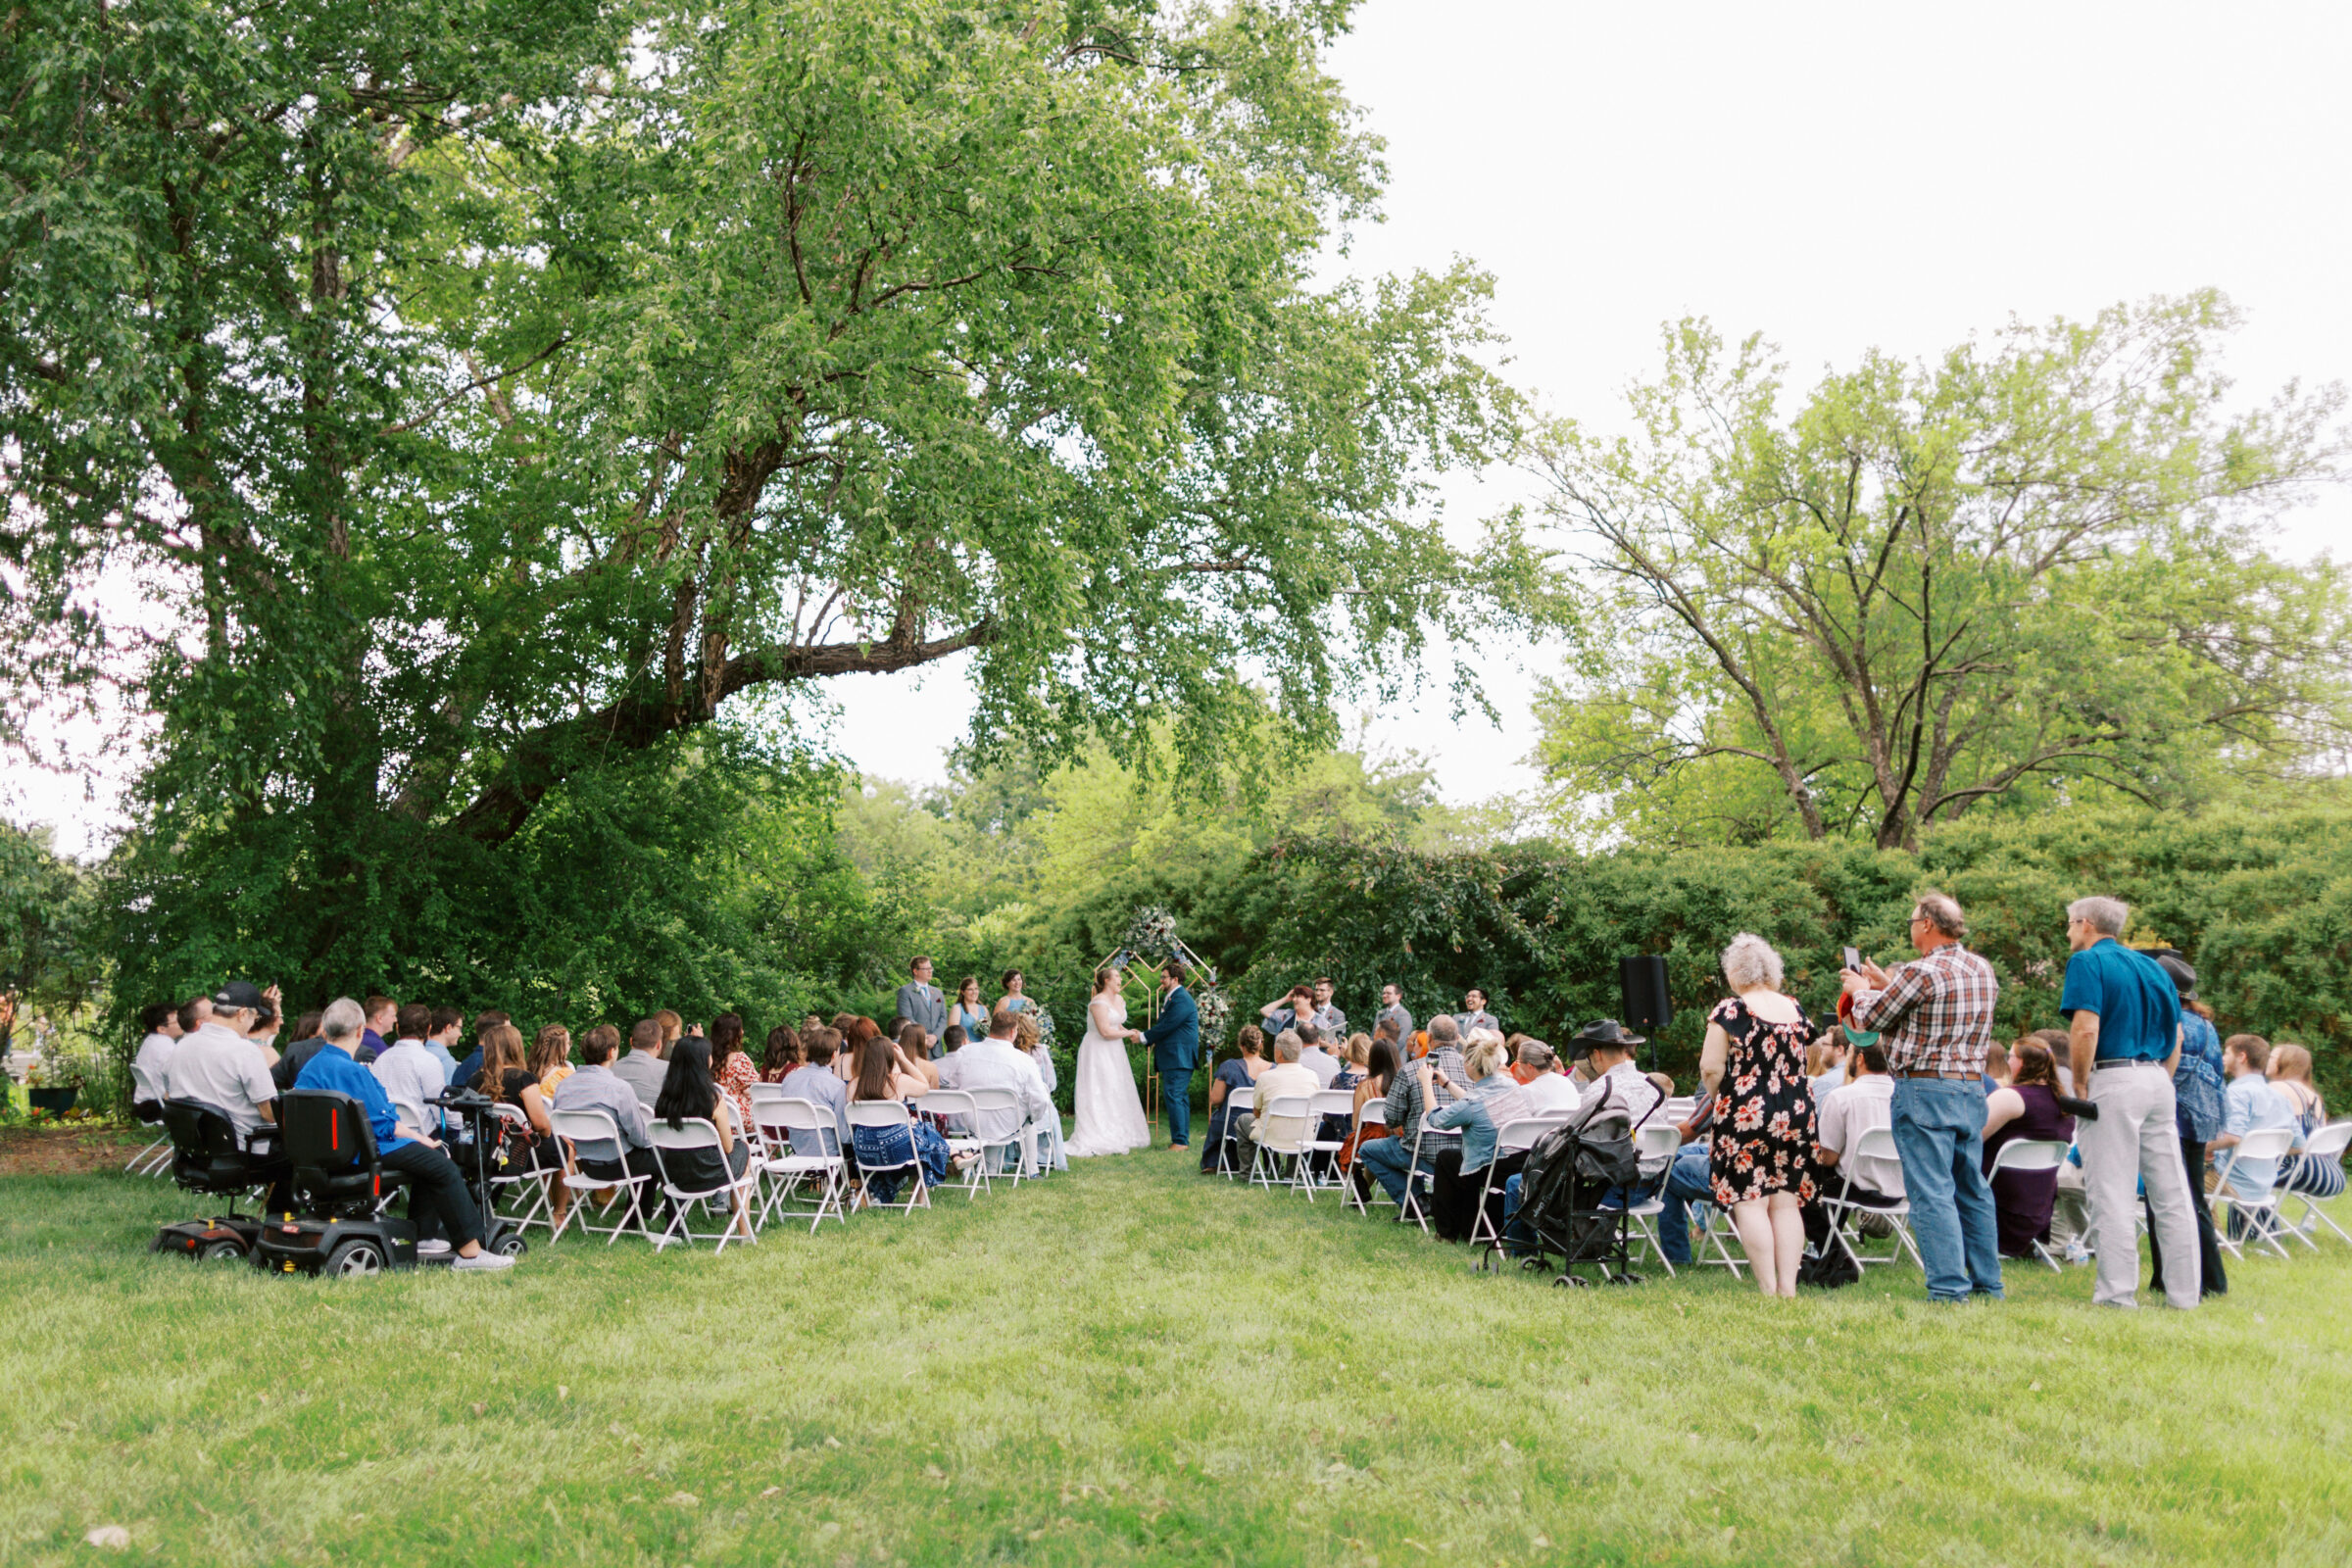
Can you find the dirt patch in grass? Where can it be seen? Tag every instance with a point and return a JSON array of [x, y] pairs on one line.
[[64, 1151]]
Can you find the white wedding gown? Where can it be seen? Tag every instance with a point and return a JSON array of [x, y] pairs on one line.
[[1110, 1114]]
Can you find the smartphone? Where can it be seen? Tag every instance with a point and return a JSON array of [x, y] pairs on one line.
[[1853, 960]]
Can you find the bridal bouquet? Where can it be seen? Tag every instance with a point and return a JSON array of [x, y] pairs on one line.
[[1150, 934], [1045, 1022]]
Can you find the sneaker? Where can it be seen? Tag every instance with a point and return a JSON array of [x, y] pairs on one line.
[[436, 1247], [485, 1259], [2075, 1252]]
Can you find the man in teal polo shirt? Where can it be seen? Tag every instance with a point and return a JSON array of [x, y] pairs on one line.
[[2124, 1016]]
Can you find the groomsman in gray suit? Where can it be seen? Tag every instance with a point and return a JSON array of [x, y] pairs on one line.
[[919, 1002], [1393, 1010]]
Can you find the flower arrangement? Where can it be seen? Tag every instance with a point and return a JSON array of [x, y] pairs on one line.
[[1217, 1011], [1150, 934], [1045, 1022]]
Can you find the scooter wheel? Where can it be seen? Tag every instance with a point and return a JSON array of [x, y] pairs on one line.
[[221, 1251], [512, 1245], [353, 1259]]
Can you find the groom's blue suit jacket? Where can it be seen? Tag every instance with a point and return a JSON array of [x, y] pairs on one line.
[[1175, 1036]]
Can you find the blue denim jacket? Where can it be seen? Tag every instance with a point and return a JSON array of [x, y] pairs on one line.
[[1492, 1101], [2197, 1083]]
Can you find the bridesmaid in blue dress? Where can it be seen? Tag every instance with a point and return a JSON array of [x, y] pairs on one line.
[[966, 1010]]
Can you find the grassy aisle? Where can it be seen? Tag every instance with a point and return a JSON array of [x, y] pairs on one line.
[[1133, 1365]]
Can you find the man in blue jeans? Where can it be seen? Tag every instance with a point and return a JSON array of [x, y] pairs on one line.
[[1687, 1183], [1936, 1016]]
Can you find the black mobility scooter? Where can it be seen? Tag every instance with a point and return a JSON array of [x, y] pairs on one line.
[[342, 1194], [207, 1160]]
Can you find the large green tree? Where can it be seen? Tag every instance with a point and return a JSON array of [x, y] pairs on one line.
[[503, 392], [2029, 571]]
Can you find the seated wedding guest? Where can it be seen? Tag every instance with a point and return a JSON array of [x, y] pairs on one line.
[[815, 1081], [953, 1038], [810, 1023], [2024, 1107], [506, 1077], [882, 1074], [551, 1057], [1548, 1086], [965, 1012], [1999, 1073], [673, 1029], [2248, 1104], [439, 1202], [1314, 1058], [594, 1087], [160, 1022], [2289, 1074], [1825, 1061], [448, 1028], [643, 1069], [1287, 1077], [1605, 1047], [690, 1091], [1235, 1072], [214, 1063], [1029, 1038], [1417, 1087], [1492, 1099], [383, 1016], [997, 1061], [2061, 1049], [782, 1055], [263, 1029], [304, 1043], [914, 1049], [856, 1032], [1687, 1182], [732, 1066], [411, 1077], [469, 1068], [1355, 1060], [1380, 1069]]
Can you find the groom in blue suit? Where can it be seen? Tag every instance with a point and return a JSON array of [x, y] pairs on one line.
[[1175, 1041]]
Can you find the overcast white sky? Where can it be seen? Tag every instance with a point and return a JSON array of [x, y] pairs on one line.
[[1839, 176]]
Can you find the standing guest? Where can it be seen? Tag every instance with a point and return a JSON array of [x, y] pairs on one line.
[[1295, 1007], [1392, 1009], [594, 1087], [1935, 1017], [2197, 1084], [882, 1074], [1474, 1014], [2025, 1108], [551, 1057], [965, 1012], [1030, 1041], [161, 1022], [216, 1064], [1547, 1087], [731, 1064], [689, 1090], [815, 1081], [439, 1204], [995, 1062], [643, 1069], [1356, 1060], [448, 1026], [1314, 1058], [2289, 1073], [782, 1055], [1492, 1099], [411, 1077], [1015, 995], [1235, 1072], [383, 1017], [2125, 1035], [919, 1003], [1327, 1016], [1761, 1158]]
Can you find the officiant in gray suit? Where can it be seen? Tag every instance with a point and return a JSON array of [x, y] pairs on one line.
[[920, 1002]]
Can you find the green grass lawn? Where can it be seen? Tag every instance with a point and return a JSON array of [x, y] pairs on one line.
[[1129, 1364]]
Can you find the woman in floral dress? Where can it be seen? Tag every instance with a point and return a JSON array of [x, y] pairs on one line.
[[1762, 1159]]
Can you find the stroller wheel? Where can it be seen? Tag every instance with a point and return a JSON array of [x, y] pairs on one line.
[[1624, 1278], [1568, 1281]]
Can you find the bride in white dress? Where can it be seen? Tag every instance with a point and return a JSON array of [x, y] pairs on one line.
[[1110, 1114]]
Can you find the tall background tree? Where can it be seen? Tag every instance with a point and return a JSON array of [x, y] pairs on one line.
[[519, 401], [2028, 571]]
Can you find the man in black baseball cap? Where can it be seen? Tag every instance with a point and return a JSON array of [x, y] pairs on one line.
[[218, 1067]]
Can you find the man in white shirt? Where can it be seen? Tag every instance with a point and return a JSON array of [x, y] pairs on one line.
[[1866, 1100], [1288, 1076], [218, 1065], [161, 1021], [1548, 1087], [994, 1061], [1314, 1058], [407, 1071]]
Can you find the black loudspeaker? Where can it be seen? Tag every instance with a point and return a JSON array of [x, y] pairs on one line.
[[1642, 980]]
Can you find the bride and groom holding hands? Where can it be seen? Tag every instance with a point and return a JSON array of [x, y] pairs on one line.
[[1109, 1109]]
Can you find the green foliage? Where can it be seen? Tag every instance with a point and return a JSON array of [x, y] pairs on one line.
[[2025, 574], [50, 955]]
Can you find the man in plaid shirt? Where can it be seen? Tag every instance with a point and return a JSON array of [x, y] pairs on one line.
[[1414, 1091], [1936, 1014]]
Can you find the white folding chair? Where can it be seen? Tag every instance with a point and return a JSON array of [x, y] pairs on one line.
[[1514, 1136], [1004, 1106], [887, 1114], [1279, 1131], [534, 1183], [1678, 1109], [1874, 1159], [2032, 1156], [575, 1127], [807, 1125], [736, 1195], [2326, 1145], [1654, 1140], [1370, 1122], [1237, 1100], [1323, 1105], [156, 1158], [2257, 1217], [959, 1103]]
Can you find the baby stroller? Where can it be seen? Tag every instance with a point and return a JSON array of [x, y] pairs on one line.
[[1569, 1173]]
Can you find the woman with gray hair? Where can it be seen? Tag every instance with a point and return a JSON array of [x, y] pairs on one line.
[[1760, 1162]]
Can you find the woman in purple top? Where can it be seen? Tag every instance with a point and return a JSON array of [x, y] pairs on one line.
[[2026, 1109]]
